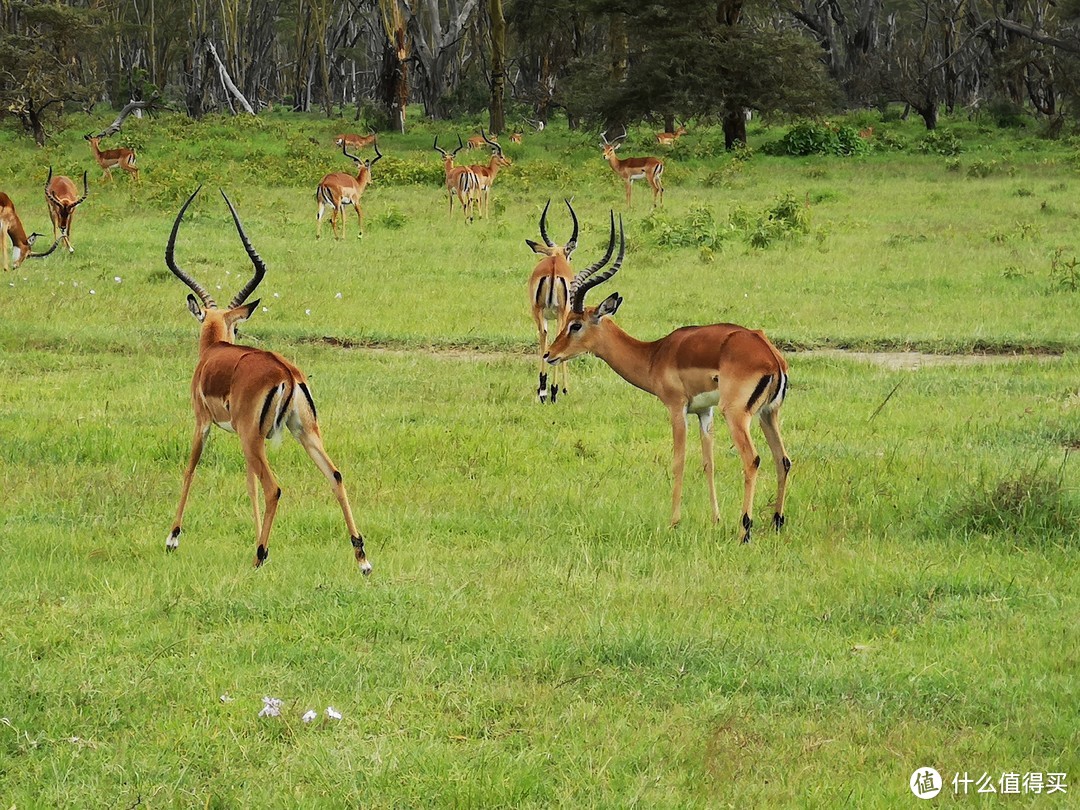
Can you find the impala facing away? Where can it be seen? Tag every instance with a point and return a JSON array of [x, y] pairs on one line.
[[460, 180], [340, 189], [549, 292], [109, 159], [631, 169], [355, 141], [692, 371], [11, 227], [253, 393], [485, 175], [669, 138], [63, 198]]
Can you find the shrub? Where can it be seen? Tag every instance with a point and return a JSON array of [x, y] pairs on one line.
[[813, 138], [940, 142]]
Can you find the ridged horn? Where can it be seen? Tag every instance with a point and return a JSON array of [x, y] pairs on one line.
[[260, 265], [170, 260], [543, 228], [572, 244], [586, 280]]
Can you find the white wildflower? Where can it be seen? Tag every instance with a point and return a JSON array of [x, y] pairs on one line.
[[309, 715], [225, 698], [332, 713], [277, 295], [271, 707], [117, 279], [338, 295], [307, 311], [93, 293], [265, 309]]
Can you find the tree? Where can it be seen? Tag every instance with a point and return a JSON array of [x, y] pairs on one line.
[[497, 118]]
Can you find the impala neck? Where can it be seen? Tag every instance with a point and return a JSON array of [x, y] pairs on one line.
[[628, 357], [214, 331]]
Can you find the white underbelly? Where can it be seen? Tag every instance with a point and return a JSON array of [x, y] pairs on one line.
[[638, 176], [704, 401]]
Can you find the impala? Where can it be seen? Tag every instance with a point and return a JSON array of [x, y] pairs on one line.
[[11, 227], [253, 393], [63, 198], [549, 291], [340, 189], [631, 169], [515, 137], [669, 138], [460, 181], [355, 141], [692, 371], [121, 158], [485, 175], [479, 141]]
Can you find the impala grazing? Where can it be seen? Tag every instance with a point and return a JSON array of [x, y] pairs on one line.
[[480, 141], [631, 169], [63, 198], [485, 175], [109, 159], [253, 393], [355, 141], [669, 138], [340, 189], [549, 292], [11, 227], [692, 371], [460, 181]]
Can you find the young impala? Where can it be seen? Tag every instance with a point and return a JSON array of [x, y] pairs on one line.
[[340, 189], [669, 138], [63, 198], [631, 169], [549, 292], [694, 370], [253, 393], [109, 159], [11, 227]]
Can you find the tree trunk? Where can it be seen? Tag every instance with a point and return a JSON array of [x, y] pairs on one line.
[[734, 127], [497, 119]]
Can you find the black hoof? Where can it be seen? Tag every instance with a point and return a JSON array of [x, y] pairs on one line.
[[778, 521]]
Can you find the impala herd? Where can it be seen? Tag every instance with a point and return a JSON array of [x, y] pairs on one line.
[[257, 393]]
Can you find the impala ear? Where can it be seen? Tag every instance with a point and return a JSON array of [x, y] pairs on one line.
[[196, 310], [244, 311], [543, 250], [609, 306]]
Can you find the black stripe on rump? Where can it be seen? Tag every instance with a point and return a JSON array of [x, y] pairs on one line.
[[763, 383], [310, 401], [540, 295], [284, 411], [273, 392]]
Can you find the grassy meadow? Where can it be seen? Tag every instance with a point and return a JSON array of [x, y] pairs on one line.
[[534, 634]]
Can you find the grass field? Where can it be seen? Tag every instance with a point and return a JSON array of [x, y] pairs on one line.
[[533, 633]]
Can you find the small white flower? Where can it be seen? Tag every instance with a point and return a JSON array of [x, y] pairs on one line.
[[277, 295], [338, 295], [271, 707], [11, 283], [219, 286], [117, 279], [93, 293], [265, 309], [225, 698], [307, 311], [74, 284], [309, 715], [332, 713]]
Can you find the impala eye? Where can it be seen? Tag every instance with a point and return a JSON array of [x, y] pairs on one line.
[[574, 327]]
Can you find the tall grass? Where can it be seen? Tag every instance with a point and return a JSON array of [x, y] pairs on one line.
[[533, 633]]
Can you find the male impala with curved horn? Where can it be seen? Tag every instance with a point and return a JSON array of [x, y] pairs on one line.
[[669, 138], [355, 141], [485, 175], [250, 392], [692, 371], [63, 198], [549, 292], [631, 169], [340, 189], [460, 181], [109, 159], [11, 227]]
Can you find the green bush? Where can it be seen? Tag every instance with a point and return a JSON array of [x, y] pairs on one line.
[[819, 138], [940, 142]]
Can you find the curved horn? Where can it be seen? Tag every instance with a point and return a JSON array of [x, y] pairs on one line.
[[48, 193], [460, 146], [32, 255], [195, 286], [583, 281], [378, 155], [493, 144], [437, 149], [260, 266], [543, 229], [85, 190], [603, 138], [345, 151], [572, 244]]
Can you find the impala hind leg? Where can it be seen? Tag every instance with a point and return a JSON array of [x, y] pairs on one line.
[[259, 467], [172, 542], [311, 440], [359, 219], [542, 389], [770, 426], [739, 425]]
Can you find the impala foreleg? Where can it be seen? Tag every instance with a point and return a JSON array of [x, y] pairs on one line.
[[678, 461], [770, 426], [172, 542], [311, 440], [738, 421], [706, 425]]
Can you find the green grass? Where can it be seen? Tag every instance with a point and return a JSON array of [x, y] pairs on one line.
[[533, 634]]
